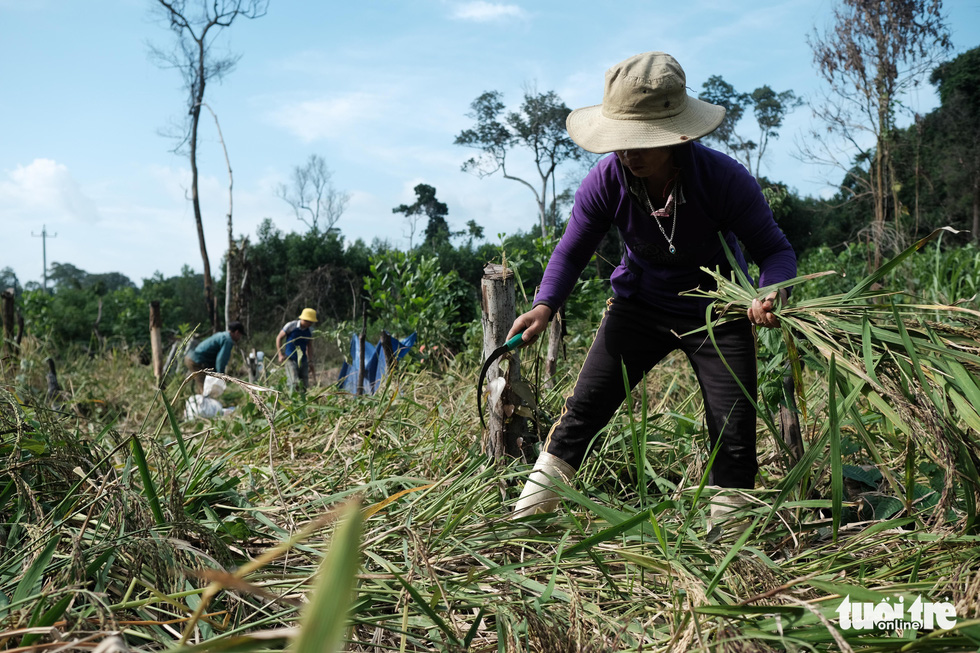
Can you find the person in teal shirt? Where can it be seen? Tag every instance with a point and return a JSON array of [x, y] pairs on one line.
[[213, 353]]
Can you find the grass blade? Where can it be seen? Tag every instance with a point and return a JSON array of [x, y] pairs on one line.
[[427, 609], [33, 575], [49, 618], [865, 284], [149, 489], [836, 465], [175, 427], [325, 618]]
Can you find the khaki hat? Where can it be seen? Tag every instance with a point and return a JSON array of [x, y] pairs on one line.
[[645, 104], [308, 314]]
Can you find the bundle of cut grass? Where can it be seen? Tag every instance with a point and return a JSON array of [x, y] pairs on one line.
[[915, 363]]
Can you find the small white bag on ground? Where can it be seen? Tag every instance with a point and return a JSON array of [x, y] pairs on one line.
[[206, 405], [213, 387]]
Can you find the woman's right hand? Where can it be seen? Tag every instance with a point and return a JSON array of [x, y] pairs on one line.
[[531, 323]]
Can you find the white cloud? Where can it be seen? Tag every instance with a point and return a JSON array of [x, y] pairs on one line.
[[45, 189], [482, 12], [312, 120]]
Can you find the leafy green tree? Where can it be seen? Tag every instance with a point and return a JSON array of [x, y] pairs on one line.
[[110, 282], [717, 91], [426, 205], [87, 316], [768, 107], [293, 271], [538, 127], [179, 297], [473, 230], [408, 293], [66, 276], [8, 279], [957, 142], [936, 158]]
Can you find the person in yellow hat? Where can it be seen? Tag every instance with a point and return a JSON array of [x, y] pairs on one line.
[[297, 354]]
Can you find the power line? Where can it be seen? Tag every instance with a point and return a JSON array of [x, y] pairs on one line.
[[44, 235]]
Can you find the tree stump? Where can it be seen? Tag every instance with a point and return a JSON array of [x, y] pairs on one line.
[[9, 348], [52, 377], [505, 427], [156, 342]]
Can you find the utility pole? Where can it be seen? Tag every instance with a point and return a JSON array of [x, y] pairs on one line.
[[44, 235]]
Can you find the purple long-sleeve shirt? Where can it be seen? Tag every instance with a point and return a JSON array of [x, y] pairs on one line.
[[717, 195]]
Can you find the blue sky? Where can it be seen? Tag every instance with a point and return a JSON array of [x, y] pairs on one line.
[[378, 88]]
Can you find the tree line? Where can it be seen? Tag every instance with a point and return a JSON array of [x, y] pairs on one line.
[[893, 187]]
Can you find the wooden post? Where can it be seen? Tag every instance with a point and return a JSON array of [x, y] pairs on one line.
[[53, 386], [99, 338], [505, 429], [556, 331], [156, 343], [389, 352], [8, 348]]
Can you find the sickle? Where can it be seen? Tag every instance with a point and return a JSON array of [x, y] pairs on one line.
[[508, 346]]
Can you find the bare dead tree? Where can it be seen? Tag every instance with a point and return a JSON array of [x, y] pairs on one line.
[[196, 25], [314, 200], [230, 263], [235, 260], [243, 291], [876, 50]]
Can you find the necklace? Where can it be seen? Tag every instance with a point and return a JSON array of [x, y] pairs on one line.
[[673, 225]]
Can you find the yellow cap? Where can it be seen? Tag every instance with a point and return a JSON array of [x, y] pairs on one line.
[[308, 314]]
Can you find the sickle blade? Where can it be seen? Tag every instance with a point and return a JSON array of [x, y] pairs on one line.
[[497, 353], [510, 345]]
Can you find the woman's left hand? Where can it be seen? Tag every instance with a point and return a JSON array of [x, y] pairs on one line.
[[760, 313]]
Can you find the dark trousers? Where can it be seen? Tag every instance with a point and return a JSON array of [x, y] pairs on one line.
[[640, 336]]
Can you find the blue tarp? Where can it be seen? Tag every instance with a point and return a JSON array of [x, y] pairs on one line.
[[375, 363]]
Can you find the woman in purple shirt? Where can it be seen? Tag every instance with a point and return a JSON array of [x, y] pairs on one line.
[[670, 197]]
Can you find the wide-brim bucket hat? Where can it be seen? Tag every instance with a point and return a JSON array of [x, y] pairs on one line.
[[645, 104], [308, 314]]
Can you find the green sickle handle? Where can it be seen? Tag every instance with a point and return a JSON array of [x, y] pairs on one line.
[[507, 347], [513, 343]]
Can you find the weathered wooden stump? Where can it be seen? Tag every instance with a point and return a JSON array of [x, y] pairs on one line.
[[156, 342], [505, 427]]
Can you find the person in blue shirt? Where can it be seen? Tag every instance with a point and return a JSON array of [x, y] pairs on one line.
[[213, 353], [297, 354]]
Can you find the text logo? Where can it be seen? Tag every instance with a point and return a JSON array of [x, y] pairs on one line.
[[895, 615]]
